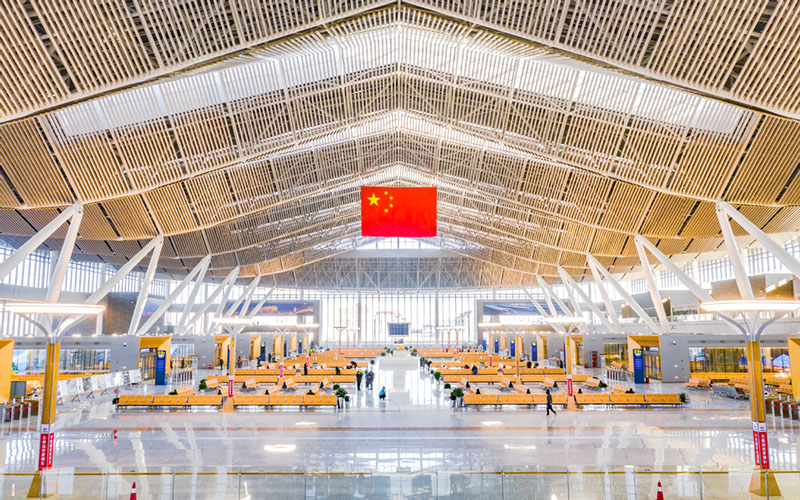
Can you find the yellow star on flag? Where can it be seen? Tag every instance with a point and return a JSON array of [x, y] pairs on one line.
[[373, 200]]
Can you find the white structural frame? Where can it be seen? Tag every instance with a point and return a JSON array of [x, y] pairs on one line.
[[187, 308], [610, 312], [538, 307], [598, 268], [141, 300], [201, 266], [698, 291], [549, 291], [652, 286], [570, 284], [153, 245], [245, 295], [226, 285]]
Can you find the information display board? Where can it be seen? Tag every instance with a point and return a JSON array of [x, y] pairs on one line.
[[398, 329]]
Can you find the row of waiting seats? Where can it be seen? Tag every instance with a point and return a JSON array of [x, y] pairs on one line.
[[311, 371], [285, 400], [506, 369], [492, 379], [580, 399], [728, 391], [169, 400], [299, 379]]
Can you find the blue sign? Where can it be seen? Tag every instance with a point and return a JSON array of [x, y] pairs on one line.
[[161, 367], [277, 308], [534, 352], [398, 329], [485, 348], [496, 346], [516, 309], [638, 366], [513, 348]]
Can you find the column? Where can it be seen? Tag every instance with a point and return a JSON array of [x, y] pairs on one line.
[[47, 436], [568, 362], [757, 411]]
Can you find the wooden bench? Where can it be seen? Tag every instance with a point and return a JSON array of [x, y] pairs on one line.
[[547, 383], [619, 389], [288, 383], [212, 383], [506, 382], [522, 389], [185, 390], [325, 382], [274, 389], [592, 383], [250, 383]]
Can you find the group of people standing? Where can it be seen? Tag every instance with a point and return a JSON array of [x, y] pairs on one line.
[[369, 378]]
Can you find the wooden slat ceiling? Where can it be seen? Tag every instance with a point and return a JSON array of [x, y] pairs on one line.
[[257, 159]]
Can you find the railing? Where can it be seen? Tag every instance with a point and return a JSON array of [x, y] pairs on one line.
[[625, 483], [180, 376]]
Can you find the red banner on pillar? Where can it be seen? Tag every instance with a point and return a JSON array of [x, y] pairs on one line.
[[44, 446], [763, 446], [757, 444], [569, 385], [50, 447]]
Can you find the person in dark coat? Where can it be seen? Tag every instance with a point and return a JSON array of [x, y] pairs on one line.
[[370, 377], [359, 376], [550, 403]]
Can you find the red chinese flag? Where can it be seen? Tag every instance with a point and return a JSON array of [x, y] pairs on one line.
[[396, 211]]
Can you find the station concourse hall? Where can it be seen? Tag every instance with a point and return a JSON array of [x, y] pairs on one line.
[[400, 249]]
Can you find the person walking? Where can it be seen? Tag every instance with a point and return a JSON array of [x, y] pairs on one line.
[[550, 403], [359, 376]]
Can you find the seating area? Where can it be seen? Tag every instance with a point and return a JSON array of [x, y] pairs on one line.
[[728, 391], [512, 399], [166, 400], [698, 383], [495, 379], [285, 400]]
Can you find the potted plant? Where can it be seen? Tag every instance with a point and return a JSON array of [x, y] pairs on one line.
[[336, 387], [341, 397], [437, 375], [202, 386], [372, 361], [446, 386], [682, 396], [173, 393], [602, 385], [457, 395]]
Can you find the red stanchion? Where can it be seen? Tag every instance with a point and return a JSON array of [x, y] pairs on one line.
[[659, 492], [115, 434], [133, 491]]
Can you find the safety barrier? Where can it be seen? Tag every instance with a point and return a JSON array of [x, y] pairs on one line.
[[513, 484]]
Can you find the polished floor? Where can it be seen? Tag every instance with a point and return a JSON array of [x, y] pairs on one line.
[[415, 429]]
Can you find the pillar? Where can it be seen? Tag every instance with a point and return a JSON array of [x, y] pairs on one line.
[[762, 481], [47, 431]]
